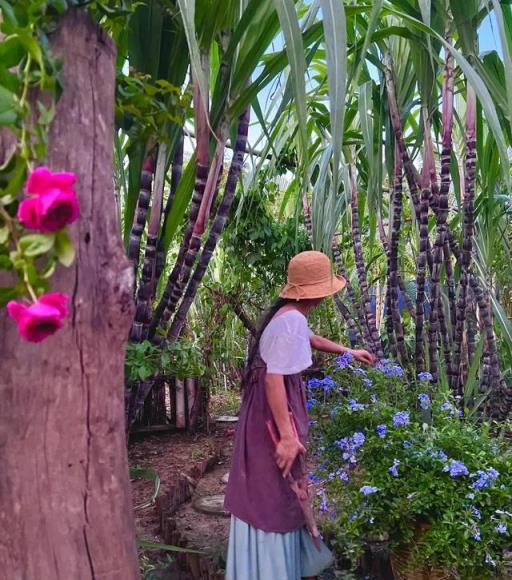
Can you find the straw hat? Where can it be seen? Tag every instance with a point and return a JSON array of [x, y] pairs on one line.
[[310, 276]]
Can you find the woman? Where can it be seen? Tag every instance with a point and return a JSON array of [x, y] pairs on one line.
[[268, 539]]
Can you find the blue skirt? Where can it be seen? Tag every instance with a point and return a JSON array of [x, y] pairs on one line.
[[257, 555]]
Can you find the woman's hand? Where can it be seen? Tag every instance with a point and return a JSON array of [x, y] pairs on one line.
[[363, 356], [286, 452]]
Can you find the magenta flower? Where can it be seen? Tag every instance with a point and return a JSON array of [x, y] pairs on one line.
[[42, 319], [51, 203]]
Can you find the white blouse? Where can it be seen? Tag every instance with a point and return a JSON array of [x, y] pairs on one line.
[[285, 344]]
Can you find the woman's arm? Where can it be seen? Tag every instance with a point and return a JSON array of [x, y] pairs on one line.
[[326, 345], [289, 446]]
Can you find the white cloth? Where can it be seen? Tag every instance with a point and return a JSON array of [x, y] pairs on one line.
[[285, 344]]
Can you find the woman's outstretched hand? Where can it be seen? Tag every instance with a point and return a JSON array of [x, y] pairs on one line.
[[365, 357], [286, 452]]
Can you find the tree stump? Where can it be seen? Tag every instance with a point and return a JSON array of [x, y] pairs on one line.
[[65, 507]]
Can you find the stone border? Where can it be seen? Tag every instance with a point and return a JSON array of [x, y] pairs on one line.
[[167, 504]]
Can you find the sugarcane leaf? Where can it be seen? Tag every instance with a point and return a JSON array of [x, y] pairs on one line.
[[187, 11], [476, 81], [502, 318], [64, 249], [505, 46], [335, 29], [149, 545], [181, 201], [473, 371], [147, 474], [296, 58]]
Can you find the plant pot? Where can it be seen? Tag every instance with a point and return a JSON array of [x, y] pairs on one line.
[[404, 567]]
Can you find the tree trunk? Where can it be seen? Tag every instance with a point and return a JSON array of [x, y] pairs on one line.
[[65, 499]]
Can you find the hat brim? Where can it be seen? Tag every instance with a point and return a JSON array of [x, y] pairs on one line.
[[316, 290]]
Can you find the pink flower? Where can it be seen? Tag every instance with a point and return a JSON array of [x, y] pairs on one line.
[[52, 202], [42, 319]]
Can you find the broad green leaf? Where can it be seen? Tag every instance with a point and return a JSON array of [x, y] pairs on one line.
[[4, 234], [8, 107], [64, 249], [36, 244], [11, 51], [7, 293]]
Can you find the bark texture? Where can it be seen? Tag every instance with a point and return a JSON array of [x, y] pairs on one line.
[[65, 508]]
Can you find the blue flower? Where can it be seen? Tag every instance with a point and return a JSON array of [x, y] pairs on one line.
[[424, 400], [476, 512], [327, 384], [401, 418], [449, 408], [344, 360], [388, 368], [501, 529], [476, 535], [373, 398], [311, 403], [358, 439], [381, 431], [484, 478], [367, 382], [425, 376], [344, 476], [354, 405], [442, 455], [456, 468], [407, 444], [489, 561], [314, 478], [359, 371], [394, 468], [368, 489]]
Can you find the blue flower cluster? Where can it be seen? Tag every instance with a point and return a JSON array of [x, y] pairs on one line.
[[501, 529], [425, 376], [389, 368], [350, 445], [327, 384], [344, 360], [368, 382], [484, 478], [456, 468], [400, 419], [424, 400], [355, 405], [476, 512]]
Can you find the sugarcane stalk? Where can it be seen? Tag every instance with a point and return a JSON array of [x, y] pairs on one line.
[[360, 266], [363, 325], [146, 285], [468, 234], [139, 221], [170, 295], [395, 323], [176, 173], [216, 228], [437, 321], [501, 398]]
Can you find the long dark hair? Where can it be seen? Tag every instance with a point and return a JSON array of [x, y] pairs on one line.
[[264, 321]]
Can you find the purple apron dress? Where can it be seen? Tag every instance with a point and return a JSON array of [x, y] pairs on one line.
[[268, 539]]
